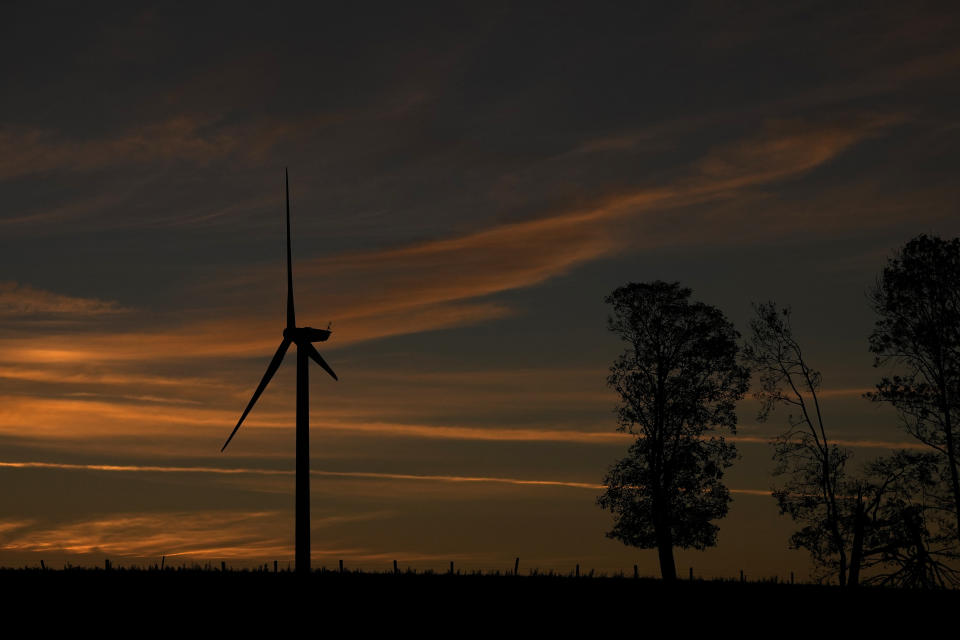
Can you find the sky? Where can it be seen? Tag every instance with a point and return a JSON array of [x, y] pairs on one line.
[[468, 182]]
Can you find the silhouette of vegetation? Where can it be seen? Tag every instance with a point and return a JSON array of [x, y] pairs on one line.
[[849, 522], [917, 302], [817, 491], [679, 380], [904, 523]]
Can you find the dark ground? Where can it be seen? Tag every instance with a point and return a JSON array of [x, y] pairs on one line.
[[264, 600]]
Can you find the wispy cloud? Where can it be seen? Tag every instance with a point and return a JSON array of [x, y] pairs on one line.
[[441, 283], [788, 149], [91, 418], [221, 534], [371, 292], [368, 475], [190, 137], [21, 301], [72, 418], [242, 536], [63, 375]]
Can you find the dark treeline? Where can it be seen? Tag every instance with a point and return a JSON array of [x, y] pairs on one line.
[[893, 520]]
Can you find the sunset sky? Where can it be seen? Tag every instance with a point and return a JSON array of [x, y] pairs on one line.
[[468, 181]]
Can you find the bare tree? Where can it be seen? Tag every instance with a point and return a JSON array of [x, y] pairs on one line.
[[817, 490]]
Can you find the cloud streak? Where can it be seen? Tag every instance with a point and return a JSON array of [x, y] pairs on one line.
[[21, 301], [73, 418], [228, 534], [442, 283], [194, 138], [363, 475]]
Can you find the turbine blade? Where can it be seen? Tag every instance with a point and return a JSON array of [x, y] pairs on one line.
[[291, 319], [271, 369], [313, 353]]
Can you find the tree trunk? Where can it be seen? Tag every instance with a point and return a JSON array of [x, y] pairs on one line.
[[668, 567], [856, 554], [922, 577], [952, 462], [830, 498]]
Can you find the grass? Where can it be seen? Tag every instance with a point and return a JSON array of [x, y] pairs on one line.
[[123, 582], [191, 600]]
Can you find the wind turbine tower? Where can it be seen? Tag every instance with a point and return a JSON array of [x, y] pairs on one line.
[[303, 337]]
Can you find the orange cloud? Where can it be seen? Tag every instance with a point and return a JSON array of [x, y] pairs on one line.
[[248, 337], [448, 479], [430, 285], [435, 284], [27, 150], [361, 287], [73, 418], [229, 535], [221, 534], [19, 300], [792, 149], [62, 375], [59, 417]]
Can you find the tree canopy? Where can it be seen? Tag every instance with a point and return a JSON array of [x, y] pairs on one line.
[[917, 302], [679, 380], [850, 521]]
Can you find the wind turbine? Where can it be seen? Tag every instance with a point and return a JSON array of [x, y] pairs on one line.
[[303, 337]]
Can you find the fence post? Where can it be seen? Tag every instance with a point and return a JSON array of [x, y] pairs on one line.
[[274, 566], [451, 567], [791, 577], [516, 566], [163, 561], [636, 572], [395, 569], [223, 565], [741, 576], [341, 566], [691, 573], [578, 569]]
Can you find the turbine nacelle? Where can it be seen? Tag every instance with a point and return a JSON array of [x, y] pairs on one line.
[[305, 335]]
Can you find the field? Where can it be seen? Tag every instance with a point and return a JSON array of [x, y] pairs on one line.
[[263, 598]]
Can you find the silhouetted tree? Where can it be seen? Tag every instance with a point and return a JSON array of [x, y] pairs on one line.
[[679, 380], [817, 490], [917, 301], [905, 523], [879, 518]]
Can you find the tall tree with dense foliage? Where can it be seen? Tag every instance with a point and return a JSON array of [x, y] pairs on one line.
[[679, 379], [917, 302]]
